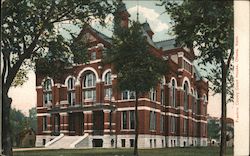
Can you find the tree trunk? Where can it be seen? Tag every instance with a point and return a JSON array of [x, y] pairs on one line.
[[6, 136], [223, 110], [136, 125]]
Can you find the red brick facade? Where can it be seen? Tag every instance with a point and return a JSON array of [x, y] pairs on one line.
[[106, 116]]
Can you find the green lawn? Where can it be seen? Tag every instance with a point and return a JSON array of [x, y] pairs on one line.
[[204, 151]]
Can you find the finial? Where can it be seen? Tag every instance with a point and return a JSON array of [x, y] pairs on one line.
[[137, 14]]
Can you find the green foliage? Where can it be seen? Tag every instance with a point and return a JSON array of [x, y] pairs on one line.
[[207, 26], [213, 129], [138, 69], [32, 119], [18, 123], [30, 28]]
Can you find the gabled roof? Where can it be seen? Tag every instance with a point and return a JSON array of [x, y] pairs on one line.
[[101, 35], [166, 44]]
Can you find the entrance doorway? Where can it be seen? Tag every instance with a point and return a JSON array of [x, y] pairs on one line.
[[98, 122]]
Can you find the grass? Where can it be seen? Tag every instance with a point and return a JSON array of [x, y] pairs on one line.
[[201, 151]]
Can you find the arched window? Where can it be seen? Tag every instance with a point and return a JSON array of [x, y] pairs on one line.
[[108, 78], [107, 86], [47, 92], [89, 83], [71, 91], [185, 95], [173, 93]]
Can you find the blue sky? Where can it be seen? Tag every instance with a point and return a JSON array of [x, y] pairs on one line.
[[148, 11]]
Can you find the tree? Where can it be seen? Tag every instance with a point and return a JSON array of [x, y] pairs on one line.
[[213, 129], [138, 69], [208, 26], [29, 31], [18, 124], [32, 119]]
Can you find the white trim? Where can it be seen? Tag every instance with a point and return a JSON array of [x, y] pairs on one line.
[[94, 61], [104, 73], [158, 111], [86, 69], [39, 87], [63, 113], [46, 78], [88, 124], [189, 85], [180, 54], [66, 80], [43, 114]]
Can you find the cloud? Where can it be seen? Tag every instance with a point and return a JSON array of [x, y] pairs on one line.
[[151, 16]]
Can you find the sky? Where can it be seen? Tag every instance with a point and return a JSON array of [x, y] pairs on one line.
[[24, 97]]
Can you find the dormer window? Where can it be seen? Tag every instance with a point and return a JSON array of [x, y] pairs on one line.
[[47, 92], [93, 56]]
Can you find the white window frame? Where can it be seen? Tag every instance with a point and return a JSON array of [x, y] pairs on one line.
[[173, 93], [186, 99], [153, 95], [130, 95], [152, 121], [89, 84], [71, 91], [131, 112], [122, 122], [47, 92], [107, 78]]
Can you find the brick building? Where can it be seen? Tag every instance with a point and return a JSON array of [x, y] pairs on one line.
[[85, 109]]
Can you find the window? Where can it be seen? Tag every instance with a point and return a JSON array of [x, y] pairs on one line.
[[131, 142], [173, 124], [152, 121], [93, 56], [153, 94], [45, 128], [107, 80], [185, 126], [173, 94], [162, 92], [89, 80], [185, 95], [108, 93], [150, 141], [89, 83], [162, 97], [128, 95], [124, 120], [123, 142], [47, 91], [193, 101], [71, 91], [162, 123], [155, 143], [132, 119]]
